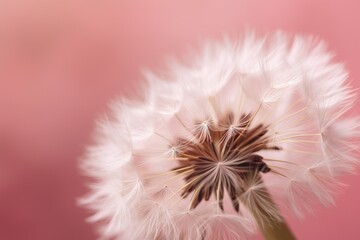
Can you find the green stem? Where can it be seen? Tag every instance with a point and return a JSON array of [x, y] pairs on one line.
[[272, 228], [277, 231]]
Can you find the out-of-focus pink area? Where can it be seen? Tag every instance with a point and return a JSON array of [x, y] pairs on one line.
[[62, 61]]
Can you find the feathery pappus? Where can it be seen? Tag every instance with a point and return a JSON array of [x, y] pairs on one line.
[[218, 146]]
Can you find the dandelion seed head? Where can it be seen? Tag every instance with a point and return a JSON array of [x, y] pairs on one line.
[[203, 153]]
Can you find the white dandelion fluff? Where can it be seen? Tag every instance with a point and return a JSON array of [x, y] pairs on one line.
[[216, 147]]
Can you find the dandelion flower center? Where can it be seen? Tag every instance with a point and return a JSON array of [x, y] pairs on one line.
[[223, 160]]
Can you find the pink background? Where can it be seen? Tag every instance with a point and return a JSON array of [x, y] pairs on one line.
[[62, 61]]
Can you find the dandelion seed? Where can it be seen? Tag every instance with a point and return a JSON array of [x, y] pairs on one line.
[[217, 147]]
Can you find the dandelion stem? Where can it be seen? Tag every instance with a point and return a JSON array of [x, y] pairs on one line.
[[271, 227], [277, 231]]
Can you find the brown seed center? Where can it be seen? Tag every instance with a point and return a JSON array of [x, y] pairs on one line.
[[221, 157]]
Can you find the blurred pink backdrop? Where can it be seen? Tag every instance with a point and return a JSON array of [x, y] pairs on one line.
[[62, 61]]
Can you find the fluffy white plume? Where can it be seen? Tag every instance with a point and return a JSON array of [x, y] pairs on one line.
[[215, 140]]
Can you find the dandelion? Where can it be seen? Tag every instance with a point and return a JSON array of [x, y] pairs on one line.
[[221, 146]]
